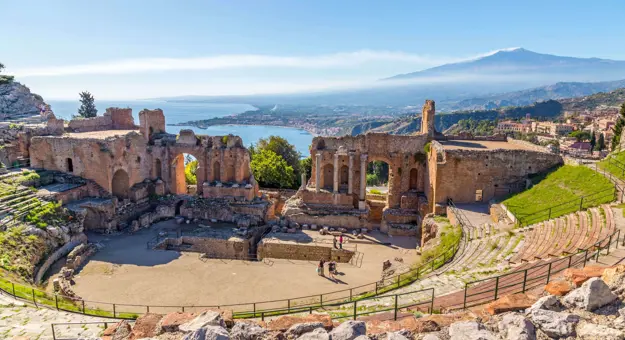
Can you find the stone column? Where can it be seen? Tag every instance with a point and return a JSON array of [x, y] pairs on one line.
[[363, 181], [318, 173], [350, 176], [336, 173], [303, 186]]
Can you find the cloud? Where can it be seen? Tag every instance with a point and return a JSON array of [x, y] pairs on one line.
[[235, 61]]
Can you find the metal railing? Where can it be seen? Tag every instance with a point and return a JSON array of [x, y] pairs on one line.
[[581, 203], [490, 289]]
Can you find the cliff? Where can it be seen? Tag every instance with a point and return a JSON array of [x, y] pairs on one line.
[[18, 103]]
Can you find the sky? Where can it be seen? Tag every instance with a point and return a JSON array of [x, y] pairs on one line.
[[119, 49]]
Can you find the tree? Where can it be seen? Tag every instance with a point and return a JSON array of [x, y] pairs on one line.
[[284, 150], [580, 135], [4, 79], [190, 172], [593, 142], [271, 170], [305, 166], [87, 105], [600, 143], [618, 128]]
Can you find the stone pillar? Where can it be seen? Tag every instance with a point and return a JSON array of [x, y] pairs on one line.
[[336, 173], [318, 173], [363, 181], [303, 186], [350, 176]]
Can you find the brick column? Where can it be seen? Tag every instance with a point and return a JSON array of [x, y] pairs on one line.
[[363, 181], [336, 173], [350, 176], [318, 172]]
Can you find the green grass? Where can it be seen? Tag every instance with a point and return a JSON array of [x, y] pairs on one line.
[[613, 167], [561, 190]]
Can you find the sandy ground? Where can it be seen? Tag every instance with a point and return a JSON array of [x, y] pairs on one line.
[[126, 272]]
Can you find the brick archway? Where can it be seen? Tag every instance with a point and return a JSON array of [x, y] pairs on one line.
[[120, 184]]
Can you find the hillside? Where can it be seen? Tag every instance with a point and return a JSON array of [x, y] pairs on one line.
[[556, 91], [608, 99], [17, 102]]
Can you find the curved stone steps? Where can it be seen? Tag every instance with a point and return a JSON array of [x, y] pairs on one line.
[[563, 234], [571, 244], [550, 236], [539, 235], [528, 242]]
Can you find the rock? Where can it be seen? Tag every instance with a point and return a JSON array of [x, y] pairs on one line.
[[147, 325], [621, 312], [171, 321], [575, 276], [594, 331], [395, 336], [301, 328], [469, 330], [559, 288], [555, 324], [122, 331], [386, 265], [593, 271], [510, 303], [349, 330], [548, 302], [179, 220], [208, 333], [516, 327], [207, 318], [134, 225], [614, 277], [247, 331], [285, 322], [593, 294], [430, 337], [317, 334], [53, 232]]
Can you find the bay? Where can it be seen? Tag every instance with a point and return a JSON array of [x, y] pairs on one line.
[[180, 112]]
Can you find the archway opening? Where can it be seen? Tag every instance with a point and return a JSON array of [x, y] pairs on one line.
[[414, 179], [377, 177], [185, 174], [216, 172], [70, 165], [344, 175], [120, 184], [157, 170], [328, 177]]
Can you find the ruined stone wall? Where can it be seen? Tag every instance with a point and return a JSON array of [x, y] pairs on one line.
[[461, 173], [527, 144], [427, 118], [92, 158], [231, 248], [98, 123], [151, 122], [278, 197], [88, 190], [301, 251], [121, 119]]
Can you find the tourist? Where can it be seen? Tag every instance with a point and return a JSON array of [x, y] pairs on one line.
[[341, 241], [332, 269], [320, 268], [334, 242]]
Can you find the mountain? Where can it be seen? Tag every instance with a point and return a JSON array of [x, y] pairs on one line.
[[525, 97], [17, 102], [523, 63]]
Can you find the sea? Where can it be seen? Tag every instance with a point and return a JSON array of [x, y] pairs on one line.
[[180, 112]]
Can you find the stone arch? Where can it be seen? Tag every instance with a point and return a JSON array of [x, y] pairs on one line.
[[69, 165], [217, 171], [157, 170], [414, 179], [344, 175], [179, 180], [328, 176], [120, 184]]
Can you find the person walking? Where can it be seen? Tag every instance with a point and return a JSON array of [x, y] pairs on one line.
[[331, 270], [320, 268], [341, 241], [334, 242]]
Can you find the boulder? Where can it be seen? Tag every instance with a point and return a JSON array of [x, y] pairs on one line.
[[575, 276], [614, 277], [171, 322], [285, 322], [430, 337], [349, 330], [515, 326], [207, 318], [593, 271], [469, 330], [593, 294], [121, 331], [594, 331], [246, 330], [555, 324], [395, 336], [317, 334], [559, 288], [208, 333], [301, 328], [510, 303], [548, 302], [147, 325]]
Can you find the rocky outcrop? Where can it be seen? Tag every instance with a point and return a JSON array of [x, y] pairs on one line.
[[16, 101]]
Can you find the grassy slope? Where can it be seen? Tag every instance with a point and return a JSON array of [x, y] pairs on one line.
[[613, 167], [560, 190]]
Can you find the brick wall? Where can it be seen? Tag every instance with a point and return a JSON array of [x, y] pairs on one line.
[[305, 252]]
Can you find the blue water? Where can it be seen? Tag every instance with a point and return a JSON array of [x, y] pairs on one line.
[[184, 112]]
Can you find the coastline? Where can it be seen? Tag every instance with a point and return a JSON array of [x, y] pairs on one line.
[[313, 134]]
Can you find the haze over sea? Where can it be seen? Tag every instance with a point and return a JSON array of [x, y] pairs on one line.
[[179, 112]]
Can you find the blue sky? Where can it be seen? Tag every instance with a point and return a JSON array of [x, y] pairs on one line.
[[138, 49]]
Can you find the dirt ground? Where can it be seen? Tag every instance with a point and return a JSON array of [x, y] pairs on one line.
[[126, 272]]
